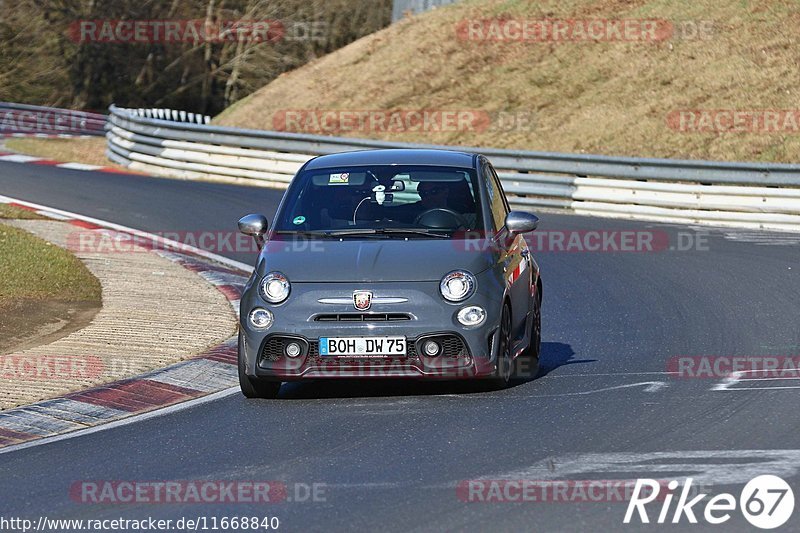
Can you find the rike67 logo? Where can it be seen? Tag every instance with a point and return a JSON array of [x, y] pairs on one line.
[[766, 502]]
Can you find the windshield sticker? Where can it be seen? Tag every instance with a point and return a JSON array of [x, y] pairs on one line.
[[343, 177], [299, 220]]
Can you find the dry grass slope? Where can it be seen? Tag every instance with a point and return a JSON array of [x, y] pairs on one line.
[[90, 151], [33, 269], [592, 97]]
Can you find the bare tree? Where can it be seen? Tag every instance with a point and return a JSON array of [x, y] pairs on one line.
[[44, 61]]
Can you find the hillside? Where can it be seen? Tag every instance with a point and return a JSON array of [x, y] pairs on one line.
[[85, 55], [715, 58]]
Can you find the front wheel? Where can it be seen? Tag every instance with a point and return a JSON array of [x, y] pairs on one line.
[[528, 365], [254, 388], [503, 372]]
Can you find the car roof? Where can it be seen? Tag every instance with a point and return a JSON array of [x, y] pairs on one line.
[[445, 158]]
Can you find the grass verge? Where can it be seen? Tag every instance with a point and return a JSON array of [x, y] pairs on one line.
[[33, 269], [10, 211], [45, 291], [89, 151]]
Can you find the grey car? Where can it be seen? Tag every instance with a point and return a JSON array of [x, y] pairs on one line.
[[391, 264]]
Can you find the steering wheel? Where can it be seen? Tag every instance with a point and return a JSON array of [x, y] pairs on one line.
[[437, 218]]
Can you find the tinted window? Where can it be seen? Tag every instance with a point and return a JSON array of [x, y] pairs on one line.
[[497, 201], [383, 196]]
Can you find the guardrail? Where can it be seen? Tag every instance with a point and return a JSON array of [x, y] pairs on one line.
[[22, 119], [172, 115], [401, 7], [758, 195]]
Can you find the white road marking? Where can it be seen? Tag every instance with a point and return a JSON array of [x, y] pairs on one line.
[[727, 384], [713, 467], [370, 485], [769, 379], [762, 388], [19, 158], [763, 238], [78, 166], [52, 215], [650, 386], [549, 376], [124, 422], [729, 380]]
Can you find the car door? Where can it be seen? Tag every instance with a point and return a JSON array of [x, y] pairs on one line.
[[513, 254]]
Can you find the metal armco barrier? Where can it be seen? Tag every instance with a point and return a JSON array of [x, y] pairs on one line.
[[22, 119], [401, 7], [755, 195]]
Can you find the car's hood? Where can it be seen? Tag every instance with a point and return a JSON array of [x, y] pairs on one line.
[[374, 260]]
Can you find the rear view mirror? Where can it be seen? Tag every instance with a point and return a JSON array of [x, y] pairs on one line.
[[521, 222], [398, 186], [256, 226], [338, 179]]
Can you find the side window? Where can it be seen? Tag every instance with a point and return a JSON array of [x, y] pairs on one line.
[[502, 192], [497, 200]]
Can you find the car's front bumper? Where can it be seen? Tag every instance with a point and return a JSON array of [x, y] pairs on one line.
[[455, 362], [422, 316]]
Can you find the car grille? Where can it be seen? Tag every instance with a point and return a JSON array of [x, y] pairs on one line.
[[411, 350], [272, 349], [452, 347], [362, 317]]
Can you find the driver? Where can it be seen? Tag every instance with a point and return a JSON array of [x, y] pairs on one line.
[[432, 194]]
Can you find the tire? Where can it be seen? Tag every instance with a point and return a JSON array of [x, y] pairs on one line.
[[503, 373], [254, 388], [530, 368]]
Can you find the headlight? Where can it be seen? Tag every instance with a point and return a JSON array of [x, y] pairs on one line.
[[431, 348], [471, 316], [457, 286], [260, 318], [275, 287]]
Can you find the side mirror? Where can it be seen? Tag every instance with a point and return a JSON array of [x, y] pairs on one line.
[[256, 226], [398, 186], [521, 222]]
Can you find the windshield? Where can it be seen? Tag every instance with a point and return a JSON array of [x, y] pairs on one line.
[[401, 200]]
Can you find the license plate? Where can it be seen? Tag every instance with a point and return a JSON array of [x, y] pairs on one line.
[[362, 346]]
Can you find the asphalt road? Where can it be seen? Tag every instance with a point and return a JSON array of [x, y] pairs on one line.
[[391, 455]]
